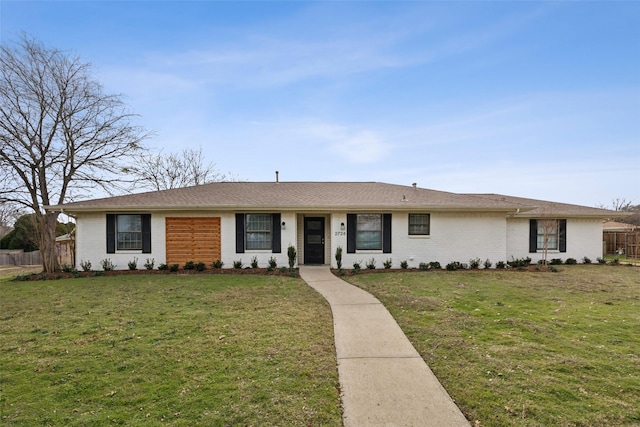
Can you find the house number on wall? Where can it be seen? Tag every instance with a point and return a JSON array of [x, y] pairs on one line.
[[340, 233]]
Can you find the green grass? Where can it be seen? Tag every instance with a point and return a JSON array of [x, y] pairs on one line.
[[526, 348], [167, 350]]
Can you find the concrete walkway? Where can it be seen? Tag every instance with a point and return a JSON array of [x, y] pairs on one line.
[[383, 379]]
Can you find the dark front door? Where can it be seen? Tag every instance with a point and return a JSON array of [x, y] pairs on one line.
[[314, 240]]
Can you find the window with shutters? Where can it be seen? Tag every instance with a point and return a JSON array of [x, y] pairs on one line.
[[548, 232], [129, 232], [369, 232], [258, 231]]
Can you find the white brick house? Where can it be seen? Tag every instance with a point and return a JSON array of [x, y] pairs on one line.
[[231, 221]]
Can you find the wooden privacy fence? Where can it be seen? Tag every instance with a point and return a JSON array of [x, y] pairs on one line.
[[622, 243], [20, 258]]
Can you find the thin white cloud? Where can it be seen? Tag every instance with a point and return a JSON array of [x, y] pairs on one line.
[[360, 147], [285, 54]]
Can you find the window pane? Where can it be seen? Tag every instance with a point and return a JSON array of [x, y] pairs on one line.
[[314, 225], [419, 224], [369, 232], [258, 235], [258, 222], [130, 223], [129, 232], [550, 229]]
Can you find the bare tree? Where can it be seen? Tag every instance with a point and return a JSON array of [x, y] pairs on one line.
[[60, 134], [548, 231], [165, 171], [618, 204], [9, 213]]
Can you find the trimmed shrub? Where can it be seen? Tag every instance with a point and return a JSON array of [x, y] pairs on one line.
[[586, 260], [487, 263], [273, 263], [388, 263], [163, 267], [200, 266], [149, 264], [66, 268], [107, 265], [217, 264], [237, 264], [189, 265], [570, 261], [456, 265], [371, 264], [519, 262], [339, 257], [85, 265], [555, 261], [434, 265], [133, 265], [423, 266], [292, 255], [357, 266], [404, 264], [501, 265], [474, 264], [254, 262], [174, 267]]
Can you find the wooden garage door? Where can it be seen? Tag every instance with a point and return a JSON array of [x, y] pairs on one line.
[[193, 239]]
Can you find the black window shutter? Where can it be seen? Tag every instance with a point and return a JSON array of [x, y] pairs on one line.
[[533, 235], [352, 220], [562, 244], [275, 235], [239, 233], [111, 233], [146, 233], [386, 233]]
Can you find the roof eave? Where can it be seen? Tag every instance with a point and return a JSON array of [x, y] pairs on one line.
[[270, 208]]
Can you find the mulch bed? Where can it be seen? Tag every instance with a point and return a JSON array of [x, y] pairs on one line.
[[100, 273]]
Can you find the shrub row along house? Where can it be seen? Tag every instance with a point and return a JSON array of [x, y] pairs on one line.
[[241, 221]]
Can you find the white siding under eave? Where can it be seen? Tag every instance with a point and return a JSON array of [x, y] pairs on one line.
[[92, 234], [229, 254], [91, 243], [454, 236], [584, 238]]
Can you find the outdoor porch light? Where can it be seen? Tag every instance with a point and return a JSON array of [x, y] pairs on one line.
[[342, 226], [283, 225]]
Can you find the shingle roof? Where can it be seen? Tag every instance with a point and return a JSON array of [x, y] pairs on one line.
[[316, 196], [543, 208], [290, 196], [618, 226]]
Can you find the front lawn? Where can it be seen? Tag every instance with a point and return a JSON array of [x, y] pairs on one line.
[[167, 350], [526, 348]]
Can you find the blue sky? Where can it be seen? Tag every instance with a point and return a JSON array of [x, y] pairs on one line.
[[530, 99]]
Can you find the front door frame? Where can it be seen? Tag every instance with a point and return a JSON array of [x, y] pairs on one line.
[[312, 248]]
